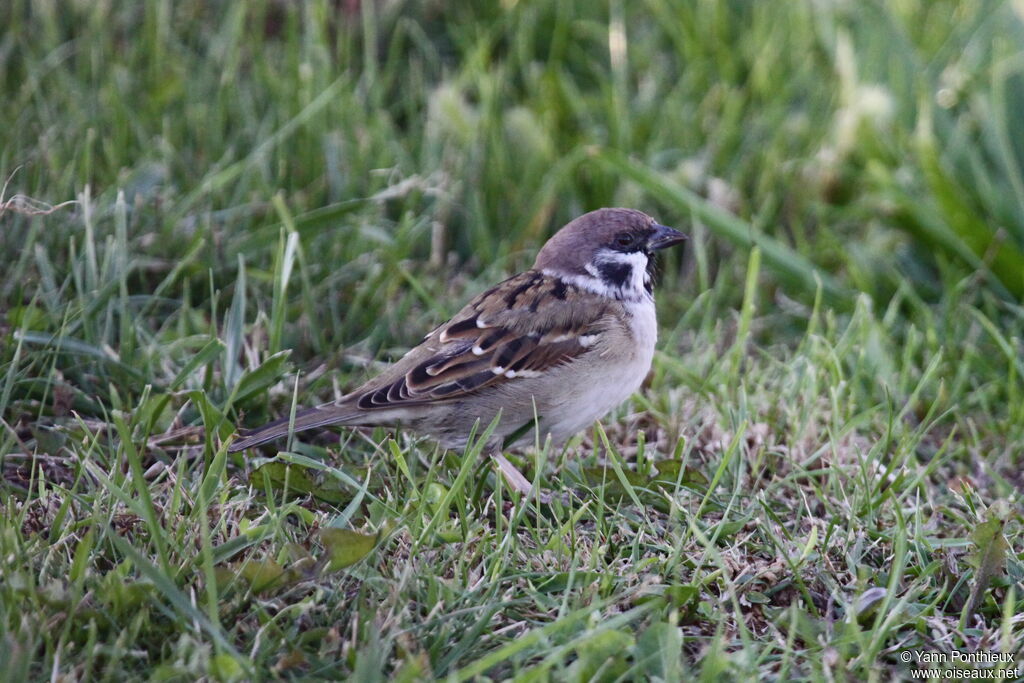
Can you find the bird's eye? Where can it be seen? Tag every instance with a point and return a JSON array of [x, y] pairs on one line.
[[625, 240]]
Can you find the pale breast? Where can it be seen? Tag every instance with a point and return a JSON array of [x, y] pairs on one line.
[[598, 383]]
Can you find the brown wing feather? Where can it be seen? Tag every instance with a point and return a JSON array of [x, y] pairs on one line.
[[527, 324], [499, 337]]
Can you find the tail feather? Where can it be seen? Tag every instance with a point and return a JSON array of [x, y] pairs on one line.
[[307, 418]]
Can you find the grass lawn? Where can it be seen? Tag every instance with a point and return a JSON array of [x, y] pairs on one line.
[[213, 212]]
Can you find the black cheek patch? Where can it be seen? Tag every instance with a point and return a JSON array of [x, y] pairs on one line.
[[616, 274]]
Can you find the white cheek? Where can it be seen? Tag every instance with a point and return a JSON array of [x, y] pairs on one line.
[[634, 288]]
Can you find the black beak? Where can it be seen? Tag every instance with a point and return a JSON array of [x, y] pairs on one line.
[[664, 237]]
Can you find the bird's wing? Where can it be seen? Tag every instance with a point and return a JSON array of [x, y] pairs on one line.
[[519, 329]]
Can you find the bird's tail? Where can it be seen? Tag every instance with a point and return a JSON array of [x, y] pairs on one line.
[[307, 418]]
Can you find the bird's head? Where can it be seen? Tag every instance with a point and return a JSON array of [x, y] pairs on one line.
[[608, 251]]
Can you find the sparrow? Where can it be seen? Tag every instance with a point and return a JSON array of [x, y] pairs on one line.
[[551, 349]]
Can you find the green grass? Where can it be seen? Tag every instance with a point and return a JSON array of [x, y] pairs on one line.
[[271, 199]]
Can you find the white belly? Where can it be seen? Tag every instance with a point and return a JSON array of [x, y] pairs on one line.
[[610, 379]]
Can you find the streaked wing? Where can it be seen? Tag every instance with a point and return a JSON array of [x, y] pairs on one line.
[[518, 329]]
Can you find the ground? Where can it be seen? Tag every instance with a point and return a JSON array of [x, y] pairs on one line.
[[213, 213]]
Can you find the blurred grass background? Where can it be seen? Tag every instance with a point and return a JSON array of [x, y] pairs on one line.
[[273, 186]]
